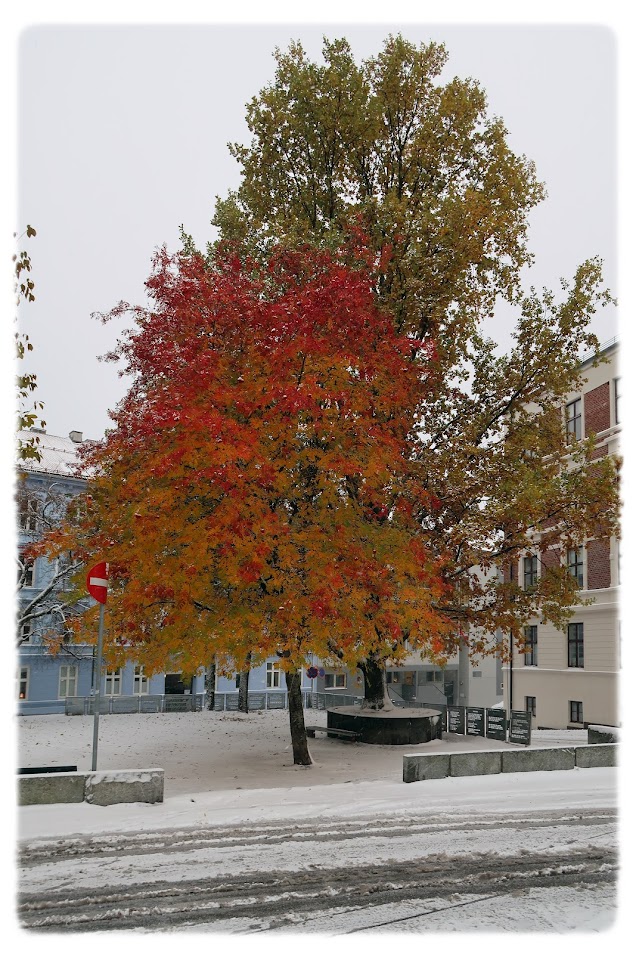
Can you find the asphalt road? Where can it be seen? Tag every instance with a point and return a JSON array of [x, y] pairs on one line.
[[352, 875]]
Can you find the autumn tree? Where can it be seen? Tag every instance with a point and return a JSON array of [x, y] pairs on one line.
[[429, 175], [260, 493]]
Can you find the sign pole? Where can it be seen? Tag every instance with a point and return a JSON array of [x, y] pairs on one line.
[[98, 685], [97, 586]]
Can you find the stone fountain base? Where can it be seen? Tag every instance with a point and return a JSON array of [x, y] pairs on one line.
[[388, 727]]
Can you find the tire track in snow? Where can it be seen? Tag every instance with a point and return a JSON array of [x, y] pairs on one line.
[[268, 899]]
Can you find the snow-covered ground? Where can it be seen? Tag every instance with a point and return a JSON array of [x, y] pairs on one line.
[[213, 751], [288, 848]]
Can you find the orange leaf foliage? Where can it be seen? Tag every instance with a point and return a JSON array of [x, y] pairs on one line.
[[259, 490]]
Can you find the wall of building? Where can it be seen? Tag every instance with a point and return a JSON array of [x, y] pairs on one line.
[[552, 682]]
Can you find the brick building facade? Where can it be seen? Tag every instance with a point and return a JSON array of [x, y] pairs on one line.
[[570, 679]]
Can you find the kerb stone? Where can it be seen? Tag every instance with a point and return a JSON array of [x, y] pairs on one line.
[[596, 756], [50, 788], [111, 788], [418, 768], [537, 760], [475, 763]]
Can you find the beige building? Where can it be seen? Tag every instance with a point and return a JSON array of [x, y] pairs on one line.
[[571, 679]]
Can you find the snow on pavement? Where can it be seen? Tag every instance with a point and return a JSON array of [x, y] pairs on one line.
[[237, 808]]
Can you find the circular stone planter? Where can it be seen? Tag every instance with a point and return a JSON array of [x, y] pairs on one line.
[[392, 727]]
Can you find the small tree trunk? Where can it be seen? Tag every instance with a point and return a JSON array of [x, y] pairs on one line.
[[297, 719], [244, 684], [210, 679], [375, 691]]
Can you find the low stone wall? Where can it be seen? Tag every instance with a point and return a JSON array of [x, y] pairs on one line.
[[601, 734], [97, 788], [417, 768]]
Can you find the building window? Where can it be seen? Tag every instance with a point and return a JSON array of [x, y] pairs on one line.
[[62, 565], [576, 712], [617, 397], [25, 633], [112, 682], [477, 674], [23, 682], [530, 657], [335, 680], [530, 572], [68, 681], [393, 677], [575, 645], [273, 676], [531, 705], [26, 574], [28, 514], [140, 682], [573, 420], [575, 565]]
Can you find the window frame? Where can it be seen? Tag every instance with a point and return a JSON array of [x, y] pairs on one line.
[[114, 677], [574, 432], [273, 673], [576, 564], [140, 681], [531, 705], [579, 711], [68, 674], [29, 514], [530, 656], [576, 651], [617, 397], [24, 679], [26, 632], [29, 577], [339, 680], [531, 574]]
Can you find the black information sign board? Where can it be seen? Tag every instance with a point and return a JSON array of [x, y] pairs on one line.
[[457, 719], [442, 715], [496, 724], [520, 727], [475, 721]]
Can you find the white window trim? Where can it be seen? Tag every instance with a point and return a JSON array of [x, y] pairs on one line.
[[580, 417], [26, 680], [27, 636], [140, 682], [114, 677], [65, 676], [273, 676], [336, 677]]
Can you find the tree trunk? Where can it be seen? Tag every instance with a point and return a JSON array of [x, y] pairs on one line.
[[244, 684], [375, 691], [210, 679], [297, 719]]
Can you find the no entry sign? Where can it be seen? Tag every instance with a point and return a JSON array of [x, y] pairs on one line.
[[97, 582]]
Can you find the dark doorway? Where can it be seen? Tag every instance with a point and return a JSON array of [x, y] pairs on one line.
[[175, 685]]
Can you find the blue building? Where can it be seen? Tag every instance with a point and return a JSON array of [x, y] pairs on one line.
[[64, 682], [46, 682]]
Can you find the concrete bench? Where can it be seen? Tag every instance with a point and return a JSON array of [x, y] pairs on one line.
[[347, 734]]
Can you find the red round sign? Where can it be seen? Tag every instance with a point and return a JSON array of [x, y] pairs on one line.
[[97, 582]]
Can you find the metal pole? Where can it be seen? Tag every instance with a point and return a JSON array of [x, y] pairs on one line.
[[98, 685], [510, 686]]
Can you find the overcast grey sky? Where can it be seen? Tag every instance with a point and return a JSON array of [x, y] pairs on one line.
[[123, 135]]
